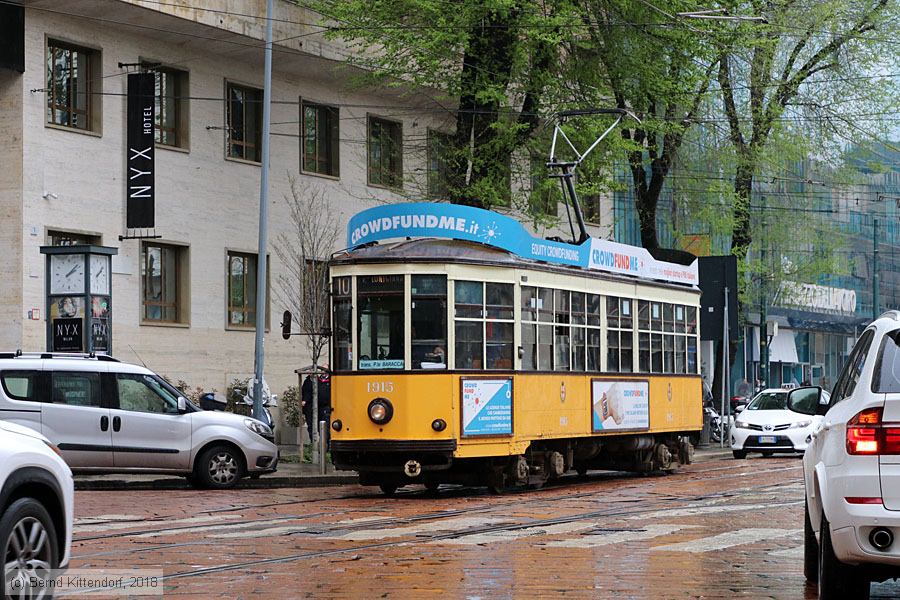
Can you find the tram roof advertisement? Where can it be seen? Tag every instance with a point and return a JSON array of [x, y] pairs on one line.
[[458, 222]]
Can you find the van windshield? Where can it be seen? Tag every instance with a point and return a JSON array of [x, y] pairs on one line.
[[886, 379]]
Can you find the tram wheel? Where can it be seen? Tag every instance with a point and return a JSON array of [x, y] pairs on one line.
[[388, 489], [432, 487], [582, 471]]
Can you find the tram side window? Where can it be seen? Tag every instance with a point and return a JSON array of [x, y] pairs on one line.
[[380, 302], [342, 323], [620, 334], [499, 325], [469, 310], [483, 324], [593, 332], [429, 321], [562, 347], [674, 348]]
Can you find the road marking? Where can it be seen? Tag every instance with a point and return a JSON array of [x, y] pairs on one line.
[[458, 524], [704, 510], [515, 534], [142, 522], [617, 537], [284, 530], [105, 518], [789, 552], [727, 540]]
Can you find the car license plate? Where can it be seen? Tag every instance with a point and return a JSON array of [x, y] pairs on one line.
[[767, 439]]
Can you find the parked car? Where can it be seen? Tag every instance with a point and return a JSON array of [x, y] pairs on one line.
[[36, 507], [851, 468], [768, 426], [108, 416]]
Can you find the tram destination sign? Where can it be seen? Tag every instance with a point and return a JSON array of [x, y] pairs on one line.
[[453, 221]]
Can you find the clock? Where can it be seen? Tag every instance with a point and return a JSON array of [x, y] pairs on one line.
[[67, 274], [99, 274]]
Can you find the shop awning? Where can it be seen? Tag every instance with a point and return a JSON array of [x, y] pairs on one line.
[[783, 348]]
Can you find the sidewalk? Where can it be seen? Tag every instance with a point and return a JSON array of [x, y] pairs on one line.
[[288, 475]]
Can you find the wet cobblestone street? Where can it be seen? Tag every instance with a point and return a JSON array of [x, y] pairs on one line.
[[717, 529]]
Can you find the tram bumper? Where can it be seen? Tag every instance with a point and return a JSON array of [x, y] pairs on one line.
[[407, 457]]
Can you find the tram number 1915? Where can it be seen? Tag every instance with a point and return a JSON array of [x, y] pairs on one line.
[[380, 387]]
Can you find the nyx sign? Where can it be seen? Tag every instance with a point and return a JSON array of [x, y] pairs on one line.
[[67, 335], [139, 177]]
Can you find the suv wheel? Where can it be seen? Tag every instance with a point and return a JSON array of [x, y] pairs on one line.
[[838, 580], [810, 548], [219, 467], [30, 547]]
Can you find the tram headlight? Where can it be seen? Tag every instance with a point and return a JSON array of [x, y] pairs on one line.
[[337, 425], [380, 411]]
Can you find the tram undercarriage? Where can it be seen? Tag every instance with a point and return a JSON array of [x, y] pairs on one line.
[[391, 467]]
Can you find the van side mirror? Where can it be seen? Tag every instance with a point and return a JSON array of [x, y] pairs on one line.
[[805, 400], [182, 404]]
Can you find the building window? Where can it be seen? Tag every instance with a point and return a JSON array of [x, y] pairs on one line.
[[70, 86], [545, 192], [590, 206], [242, 274], [162, 270], [66, 238], [243, 122], [319, 139], [171, 91], [385, 153], [439, 146]]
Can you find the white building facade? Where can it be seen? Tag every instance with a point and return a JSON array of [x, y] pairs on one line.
[[184, 302]]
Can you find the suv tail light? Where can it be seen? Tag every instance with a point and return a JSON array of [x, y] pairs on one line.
[[867, 435]]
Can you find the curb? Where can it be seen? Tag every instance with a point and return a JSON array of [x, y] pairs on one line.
[[264, 482]]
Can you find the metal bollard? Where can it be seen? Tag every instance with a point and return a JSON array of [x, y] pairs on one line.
[[323, 429], [704, 433]]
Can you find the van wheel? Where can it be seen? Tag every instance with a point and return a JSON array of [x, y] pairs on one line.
[[739, 454], [810, 548], [219, 467], [29, 540], [836, 579]]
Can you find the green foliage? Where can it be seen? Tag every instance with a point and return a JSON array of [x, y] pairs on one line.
[[237, 389], [290, 403]]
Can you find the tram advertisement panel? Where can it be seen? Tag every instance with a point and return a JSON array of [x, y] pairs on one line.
[[620, 405], [487, 406]]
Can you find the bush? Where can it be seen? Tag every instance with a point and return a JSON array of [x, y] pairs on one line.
[[237, 389], [291, 406]]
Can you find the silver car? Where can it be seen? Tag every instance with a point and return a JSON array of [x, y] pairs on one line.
[[112, 417]]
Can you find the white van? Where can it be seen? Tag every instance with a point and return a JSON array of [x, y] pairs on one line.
[[112, 417]]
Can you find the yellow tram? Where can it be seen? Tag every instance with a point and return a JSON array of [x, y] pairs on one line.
[[505, 360]]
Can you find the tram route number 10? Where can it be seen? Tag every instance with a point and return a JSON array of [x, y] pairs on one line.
[[380, 387]]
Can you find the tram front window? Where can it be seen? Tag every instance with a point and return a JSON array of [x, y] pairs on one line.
[[380, 301], [429, 321]]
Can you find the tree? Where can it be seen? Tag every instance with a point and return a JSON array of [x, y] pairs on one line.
[[771, 71], [491, 63], [302, 286], [659, 72]]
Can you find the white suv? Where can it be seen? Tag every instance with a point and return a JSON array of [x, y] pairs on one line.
[[36, 499], [851, 468], [111, 417]]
